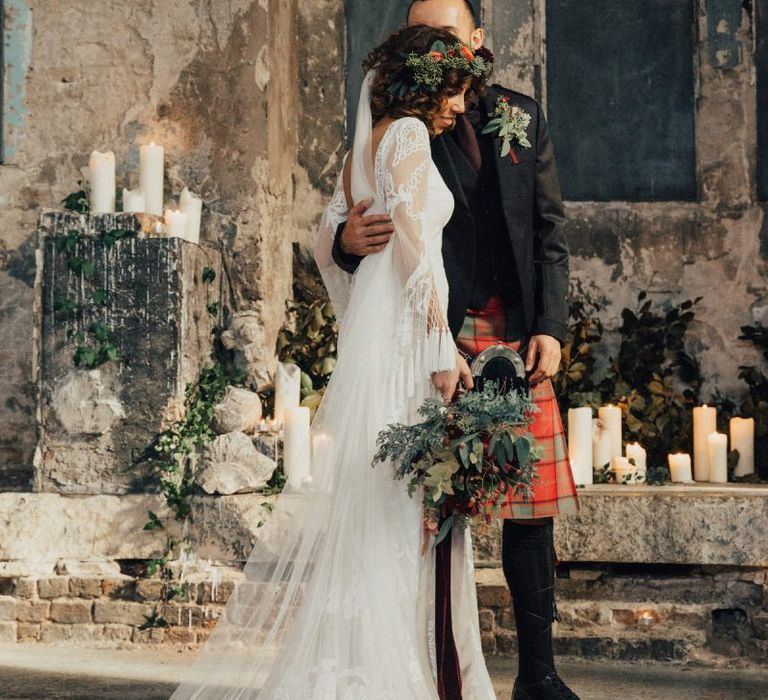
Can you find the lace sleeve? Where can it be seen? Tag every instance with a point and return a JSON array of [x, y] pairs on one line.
[[336, 280], [424, 343]]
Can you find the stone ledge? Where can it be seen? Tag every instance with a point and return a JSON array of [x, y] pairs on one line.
[[701, 524]]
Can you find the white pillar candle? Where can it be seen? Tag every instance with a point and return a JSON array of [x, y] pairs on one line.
[[133, 201], [636, 452], [611, 417], [176, 223], [580, 444], [296, 446], [601, 444], [193, 207], [287, 388], [101, 176], [743, 440], [717, 446], [151, 160], [320, 443], [624, 471], [680, 467], [704, 423]]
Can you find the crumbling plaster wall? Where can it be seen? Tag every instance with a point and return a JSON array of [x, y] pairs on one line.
[[214, 82], [716, 248]]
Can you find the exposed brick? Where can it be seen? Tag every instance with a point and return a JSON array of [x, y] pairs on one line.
[[506, 642], [150, 588], [7, 608], [55, 632], [8, 632], [32, 610], [180, 635], [26, 587], [488, 642], [624, 617], [118, 633], [28, 632], [123, 587], [493, 596], [487, 620], [85, 587], [122, 612], [223, 591], [53, 587], [71, 611], [153, 635]]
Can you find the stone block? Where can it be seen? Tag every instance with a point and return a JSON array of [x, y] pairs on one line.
[[8, 632], [53, 587], [85, 587], [239, 410], [86, 633], [26, 587], [70, 611], [32, 610], [28, 631], [760, 624], [117, 633], [96, 421], [150, 588], [121, 612], [55, 632], [231, 464], [7, 608], [180, 635], [506, 642], [122, 587], [487, 620], [153, 635], [712, 525], [623, 617], [220, 593], [488, 642], [493, 596]]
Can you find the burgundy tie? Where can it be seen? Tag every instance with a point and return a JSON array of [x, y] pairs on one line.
[[467, 140]]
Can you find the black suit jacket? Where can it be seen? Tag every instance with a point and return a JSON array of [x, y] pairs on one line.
[[534, 216]]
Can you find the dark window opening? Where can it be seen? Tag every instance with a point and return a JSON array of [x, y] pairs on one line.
[[620, 98]]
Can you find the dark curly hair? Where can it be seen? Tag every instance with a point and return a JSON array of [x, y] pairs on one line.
[[389, 60]]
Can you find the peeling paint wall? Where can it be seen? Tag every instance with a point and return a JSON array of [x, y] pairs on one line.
[[716, 247], [214, 82]]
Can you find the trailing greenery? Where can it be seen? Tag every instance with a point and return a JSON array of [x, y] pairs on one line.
[[94, 345], [755, 404]]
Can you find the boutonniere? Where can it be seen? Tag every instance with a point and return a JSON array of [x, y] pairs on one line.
[[510, 123]]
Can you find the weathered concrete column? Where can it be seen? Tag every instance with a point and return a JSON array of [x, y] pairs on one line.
[[143, 308]]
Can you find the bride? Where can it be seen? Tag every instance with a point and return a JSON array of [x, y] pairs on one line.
[[337, 597]]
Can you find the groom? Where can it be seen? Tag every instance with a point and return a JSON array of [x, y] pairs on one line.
[[506, 260]]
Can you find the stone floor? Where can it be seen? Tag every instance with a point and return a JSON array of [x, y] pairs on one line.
[[47, 671]]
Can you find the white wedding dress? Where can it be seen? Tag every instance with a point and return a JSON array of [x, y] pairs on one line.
[[337, 603]]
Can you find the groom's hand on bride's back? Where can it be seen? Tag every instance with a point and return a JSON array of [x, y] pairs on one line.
[[365, 234]]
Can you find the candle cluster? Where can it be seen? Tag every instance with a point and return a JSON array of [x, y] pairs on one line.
[[596, 443], [299, 451], [183, 222]]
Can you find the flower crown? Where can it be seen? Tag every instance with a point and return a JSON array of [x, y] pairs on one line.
[[426, 71]]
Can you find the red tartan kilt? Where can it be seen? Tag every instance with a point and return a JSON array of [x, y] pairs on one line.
[[554, 491]]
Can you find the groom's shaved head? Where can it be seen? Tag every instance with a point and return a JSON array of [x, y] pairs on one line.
[[469, 8], [455, 16]]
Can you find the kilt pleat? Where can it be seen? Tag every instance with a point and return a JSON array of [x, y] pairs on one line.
[[554, 491]]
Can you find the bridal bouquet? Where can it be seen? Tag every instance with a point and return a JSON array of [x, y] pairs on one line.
[[464, 458]]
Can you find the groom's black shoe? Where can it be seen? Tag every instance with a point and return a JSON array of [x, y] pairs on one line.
[[550, 688]]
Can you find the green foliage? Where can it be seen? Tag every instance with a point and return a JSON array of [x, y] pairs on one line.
[[77, 201], [153, 620], [466, 457], [95, 349], [108, 238], [209, 274], [308, 339], [653, 377]]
